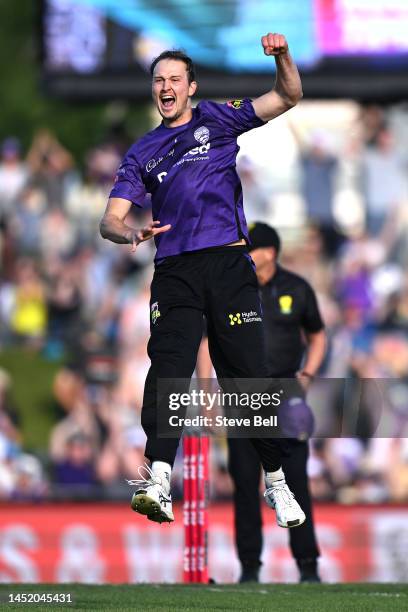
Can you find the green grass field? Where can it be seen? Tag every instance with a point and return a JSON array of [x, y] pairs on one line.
[[264, 597]]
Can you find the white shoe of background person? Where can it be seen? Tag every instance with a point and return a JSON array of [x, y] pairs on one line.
[[152, 497], [288, 512]]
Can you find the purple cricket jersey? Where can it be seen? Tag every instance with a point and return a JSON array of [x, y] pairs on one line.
[[190, 172]]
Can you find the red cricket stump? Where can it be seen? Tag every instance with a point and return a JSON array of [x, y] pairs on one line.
[[186, 509], [195, 508], [203, 485]]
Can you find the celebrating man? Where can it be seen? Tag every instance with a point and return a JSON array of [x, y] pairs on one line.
[[187, 164]]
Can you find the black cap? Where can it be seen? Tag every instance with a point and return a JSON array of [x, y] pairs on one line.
[[262, 235]]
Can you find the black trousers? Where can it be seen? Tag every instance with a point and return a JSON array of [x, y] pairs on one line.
[[220, 283], [245, 471]]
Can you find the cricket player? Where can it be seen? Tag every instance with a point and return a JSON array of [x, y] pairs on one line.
[[202, 265]]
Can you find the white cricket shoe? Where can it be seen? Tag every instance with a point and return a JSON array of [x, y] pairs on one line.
[[152, 497], [288, 512]]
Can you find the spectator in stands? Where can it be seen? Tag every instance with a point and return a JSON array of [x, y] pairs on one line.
[[29, 483], [13, 175], [26, 220], [74, 472], [319, 168], [60, 282], [28, 319], [383, 181], [51, 167]]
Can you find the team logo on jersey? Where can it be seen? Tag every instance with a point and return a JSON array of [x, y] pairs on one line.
[[285, 303], [202, 134], [154, 312], [235, 104]]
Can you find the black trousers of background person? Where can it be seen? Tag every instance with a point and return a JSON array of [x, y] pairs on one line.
[[245, 471], [217, 282]]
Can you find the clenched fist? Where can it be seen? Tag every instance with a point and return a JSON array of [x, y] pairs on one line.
[[274, 44]]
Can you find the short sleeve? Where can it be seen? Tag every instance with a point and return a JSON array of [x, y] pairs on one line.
[[311, 318], [235, 116], [128, 181]]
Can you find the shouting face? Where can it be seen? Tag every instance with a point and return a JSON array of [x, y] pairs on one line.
[[172, 92]]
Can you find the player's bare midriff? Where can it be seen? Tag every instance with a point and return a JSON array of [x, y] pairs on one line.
[[237, 243]]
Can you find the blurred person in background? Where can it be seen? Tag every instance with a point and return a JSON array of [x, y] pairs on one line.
[[9, 419], [72, 395], [74, 471], [51, 167], [28, 316], [158, 164], [372, 120], [58, 235], [100, 168], [319, 167], [13, 176], [384, 181], [26, 219], [10, 437], [255, 198], [123, 449], [21, 474], [396, 311], [64, 303], [295, 341], [29, 482]]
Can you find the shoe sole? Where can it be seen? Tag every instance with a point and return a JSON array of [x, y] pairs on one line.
[[292, 524], [161, 518], [143, 504]]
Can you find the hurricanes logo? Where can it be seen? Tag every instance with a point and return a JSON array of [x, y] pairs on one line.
[[235, 319], [235, 104], [154, 312], [285, 303], [202, 134]]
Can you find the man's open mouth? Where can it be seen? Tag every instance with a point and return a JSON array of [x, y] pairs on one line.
[[167, 102]]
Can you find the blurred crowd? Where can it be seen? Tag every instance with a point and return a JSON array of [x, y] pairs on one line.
[[83, 303]]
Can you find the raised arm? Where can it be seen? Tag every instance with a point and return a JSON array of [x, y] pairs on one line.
[[287, 90], [114, 228]]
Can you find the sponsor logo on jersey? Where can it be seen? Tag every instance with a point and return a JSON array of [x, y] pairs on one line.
[[152, 163], [154, 312], [235, 104], [202, 134], [194, 154], [285, 304], [235, 319], [199, 150], [244, 317]]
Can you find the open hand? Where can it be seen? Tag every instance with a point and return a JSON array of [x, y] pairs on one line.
[[137, 236], [274, 44]]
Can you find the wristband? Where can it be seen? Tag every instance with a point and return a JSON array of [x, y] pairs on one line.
[[307, 374]]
